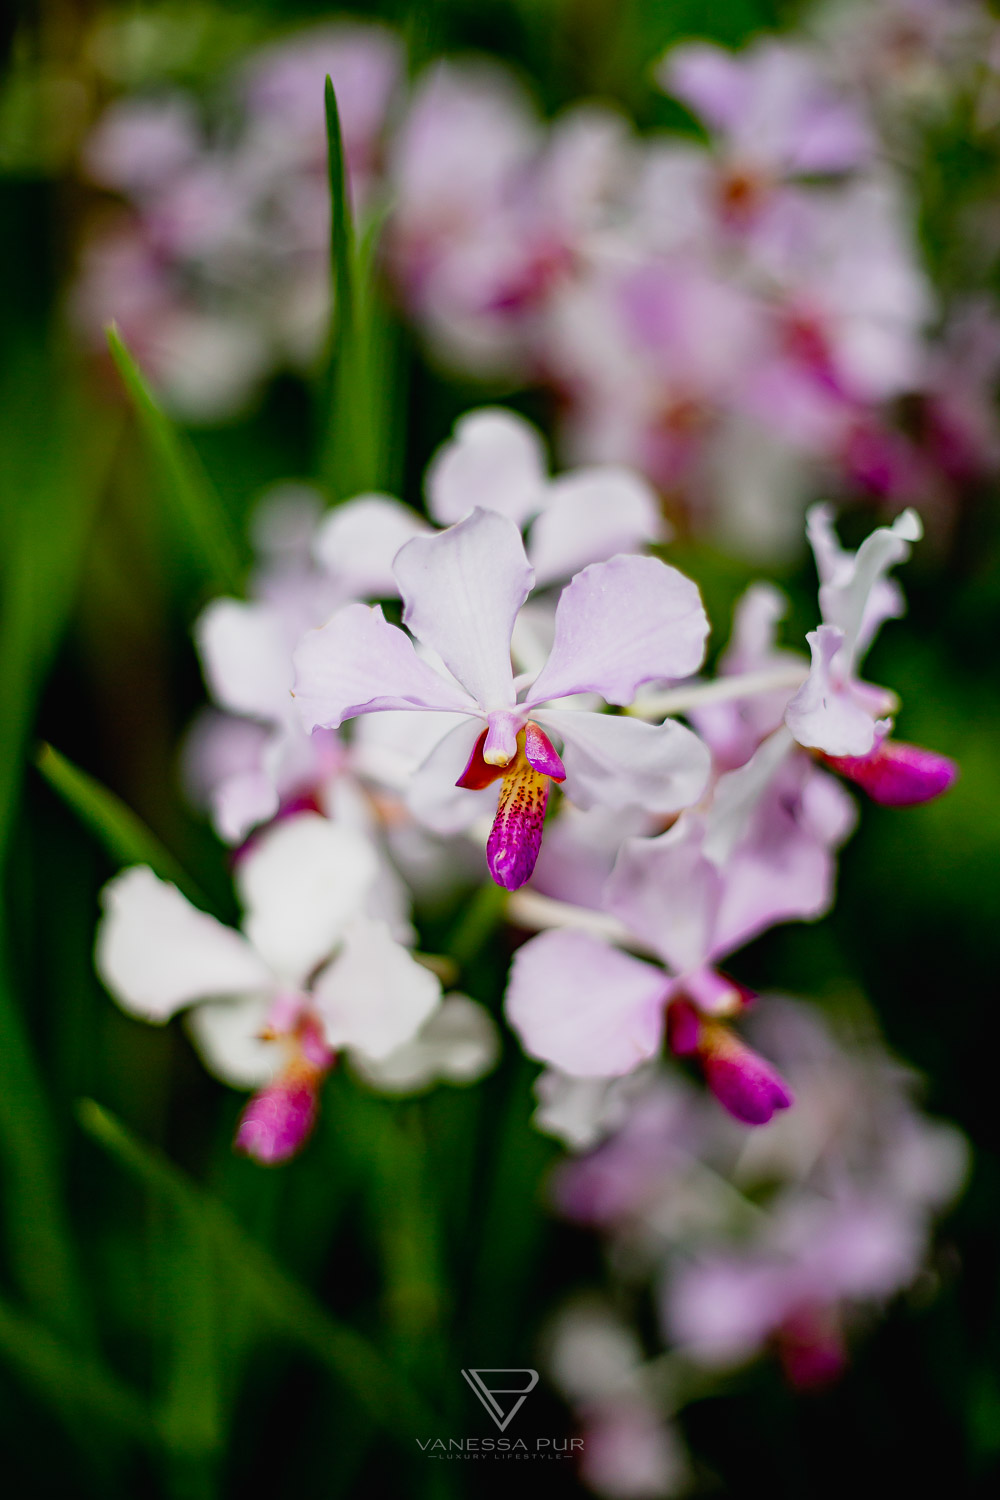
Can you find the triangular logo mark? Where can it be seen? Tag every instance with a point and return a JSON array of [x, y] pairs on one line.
[[490, 1391]]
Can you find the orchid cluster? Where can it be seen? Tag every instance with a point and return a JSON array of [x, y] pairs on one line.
[[785, 1241], [741, 318], [359, 766]]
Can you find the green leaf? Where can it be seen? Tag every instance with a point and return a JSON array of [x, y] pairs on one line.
[[39, 1244], [385, 1396], [350, 447], [72, 1383], [199, 515], [124, 835]]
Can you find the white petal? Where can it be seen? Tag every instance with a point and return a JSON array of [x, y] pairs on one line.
[[581, 1111], [589, 516], [300, 884], [823, 715], [495, 460], [621, 623], [434, 799], [614, 761], [580, 1005], [357, 663], [227, 1035], [374, 997], [461, 592], [357, 542], [458, 1044], [246, 658], [156, 952]]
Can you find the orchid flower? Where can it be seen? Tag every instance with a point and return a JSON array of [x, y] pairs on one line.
[[312, 973], [617, 624], [834, 711], [760, 855], [773, 1239]]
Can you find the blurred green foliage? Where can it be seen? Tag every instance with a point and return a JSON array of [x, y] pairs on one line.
[[176, 1321]]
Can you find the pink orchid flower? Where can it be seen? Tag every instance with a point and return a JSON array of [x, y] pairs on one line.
[[834, 711], [618, 624]]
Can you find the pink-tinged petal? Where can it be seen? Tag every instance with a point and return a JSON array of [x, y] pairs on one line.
[[742, 1081], [896, 774], [823, 715], [619, 624], [242, 802], [617, 762], [667, 893], [683, 1028], [302, 881], [711, 81], [358, 541], [461, 590], [539, 753], [495, 460], [279, 1120], [245, 658], [156, 952], [357, 663], [516, 836], [374, 996], [590, 516], [855, 594], [583, 1007]]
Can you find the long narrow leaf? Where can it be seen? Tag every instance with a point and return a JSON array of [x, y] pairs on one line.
[[356, 1363], [73, 1384], [123, 834], [39, 1244], [349, 457], [200, 518]]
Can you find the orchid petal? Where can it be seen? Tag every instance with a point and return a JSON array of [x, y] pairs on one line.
[[667, 894], [357, 663], [435, 797], [461, 592], [823, 715], [241, 802], [621, 623], [458, 1044], [300, 883], [246, 658], [227, 1036], [374, 997], [156, 952], [583, 1007], [495, 460], [612, 761], [855, 595], [589, 516], [357, 542]]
